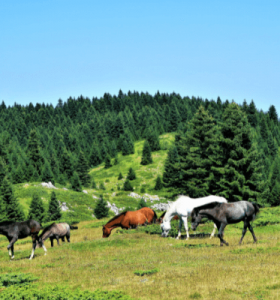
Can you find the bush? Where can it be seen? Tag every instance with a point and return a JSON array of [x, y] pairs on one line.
[[127, 186], [141, 204], [101, 210], [102, 186], [131, 174]]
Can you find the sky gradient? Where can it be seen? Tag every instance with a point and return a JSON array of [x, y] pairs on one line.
[[57, 49]]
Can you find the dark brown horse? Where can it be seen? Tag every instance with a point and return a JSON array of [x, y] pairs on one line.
[[20, 230], [130, 219], [160, 219], [223, 214], [56, 231]]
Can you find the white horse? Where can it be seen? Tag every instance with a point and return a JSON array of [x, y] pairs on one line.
[[183, 207]]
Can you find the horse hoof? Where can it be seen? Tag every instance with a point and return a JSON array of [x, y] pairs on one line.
[[227, 244]]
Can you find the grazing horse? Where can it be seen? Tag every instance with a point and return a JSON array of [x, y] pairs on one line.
[[183, 207], [20, 230], [56, 231], [223, 214], [130, 219]]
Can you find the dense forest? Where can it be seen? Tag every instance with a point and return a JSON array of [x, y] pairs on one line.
[[220, 147]]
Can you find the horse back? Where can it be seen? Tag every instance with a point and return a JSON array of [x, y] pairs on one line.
[[149, 213], [134, 218]]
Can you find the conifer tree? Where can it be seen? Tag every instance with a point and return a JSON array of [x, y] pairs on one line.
[[3, 170], [127, 186], [47, 174], [171, 173], [273, 114], [33, 151], [120, 176], [242, 171], [36, 210], [158, 185], [102, 186], [82, 169], [141, 203], [54, 212], [107, 162], [3, 215], [93, 184], [153, 140], [116, 161], [13, 209], [76, 182], [95, 159], [274, 197], [146, 154], [131, 174], [66, 165], [101, 210]]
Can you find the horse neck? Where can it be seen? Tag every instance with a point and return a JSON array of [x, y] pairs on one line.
[[169, 214], [114, 223], [46, 235], [4, 229], [209, 213]]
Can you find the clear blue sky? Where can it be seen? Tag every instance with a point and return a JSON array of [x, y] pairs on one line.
[[55, 49]]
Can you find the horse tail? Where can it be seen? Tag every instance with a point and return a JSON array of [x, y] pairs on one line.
[[73, 227], [154, 218]]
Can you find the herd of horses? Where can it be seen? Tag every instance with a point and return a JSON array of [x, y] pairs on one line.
[[215, 208]]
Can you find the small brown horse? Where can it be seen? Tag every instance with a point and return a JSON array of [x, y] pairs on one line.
[[130, 219], [56, 231], [160, 219]]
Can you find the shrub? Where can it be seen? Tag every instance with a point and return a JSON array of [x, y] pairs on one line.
[[127, 186], [131, 174], [158, 185], [141, 203], [120, 176], [102, 186], [101, 210]]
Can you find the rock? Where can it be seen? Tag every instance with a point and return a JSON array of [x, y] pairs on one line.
[[113, 208], [151, 197], [65, 189], [162, 206], [64, 207], [134, 195], [94, 197], [48, 185], [84, 191], [93, 216]]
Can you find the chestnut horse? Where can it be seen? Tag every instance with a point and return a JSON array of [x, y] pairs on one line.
[[130, 219]]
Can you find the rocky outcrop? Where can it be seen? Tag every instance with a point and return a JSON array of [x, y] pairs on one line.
[[145, 197], [48, 185], [114, 208], [63, 206], [162, 206]]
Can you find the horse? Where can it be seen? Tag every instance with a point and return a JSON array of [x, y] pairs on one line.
[[130, 219], [55, 231], [183, 207], [20, 230], [160, 219], [223, 214]]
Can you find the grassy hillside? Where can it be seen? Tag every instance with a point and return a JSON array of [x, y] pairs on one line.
[[82, 204]]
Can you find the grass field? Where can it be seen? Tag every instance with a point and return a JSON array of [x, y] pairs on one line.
[[147, 266]]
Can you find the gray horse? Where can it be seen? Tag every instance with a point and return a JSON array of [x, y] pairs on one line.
[[223, 214], [55, 231]]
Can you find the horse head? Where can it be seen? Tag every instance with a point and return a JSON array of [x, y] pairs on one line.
[[106, 232], [195, 218], [165, 228]]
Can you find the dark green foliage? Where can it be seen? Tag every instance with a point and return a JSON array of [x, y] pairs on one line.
[[11, 279], [127, 186], [141, 203], [93, 184], [54, 212], [116, 161], [159, 184], [95, 158], [120, 176], [102, 186], [13, 210], [33, 151], [47, 174], [82, 169], [107, 162], [76, 182], [252, 114], [3, 170], [273, 113], [36, 210], [146, 272], [153, 139], [131, 174], [66, 165], [274, 198], [142, 190], [171, 173], [101, 210], [146, 154]]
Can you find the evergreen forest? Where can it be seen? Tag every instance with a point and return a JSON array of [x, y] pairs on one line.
[[220, 147]]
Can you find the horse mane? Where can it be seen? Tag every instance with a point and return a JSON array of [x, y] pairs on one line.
[[155, 217], [162, 215], [206, 206], [7, 223], [115, 217], [47, 228], [256, 206]]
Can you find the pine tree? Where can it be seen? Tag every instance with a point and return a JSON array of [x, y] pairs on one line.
[[33, 151], [54, 212], [66, 165], [102, 186], [3, 170], [131, 174], [36, 210], [93, 184], [47, 174], [146, 154], [153, 140], [107, 162], [95, 159], [273, 114], [116, 161], [82, 169], [242, 170], [127, 186], [158, 185], [101, 210], [141, 203], [76, 182], [274, 197], [120, 176], [252, 114], [3, 215], [171, 173], [13, 209]]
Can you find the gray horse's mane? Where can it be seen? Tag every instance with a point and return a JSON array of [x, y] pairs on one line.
[[47, 228], [206, 206]]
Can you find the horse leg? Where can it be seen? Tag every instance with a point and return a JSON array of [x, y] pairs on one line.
[[213, 232], [221, 234], [179, 232], [68, 238], [57, 239], [34, 239], [11, 247], [185, 220], [252, 231], [51, 242], [244, 231]]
